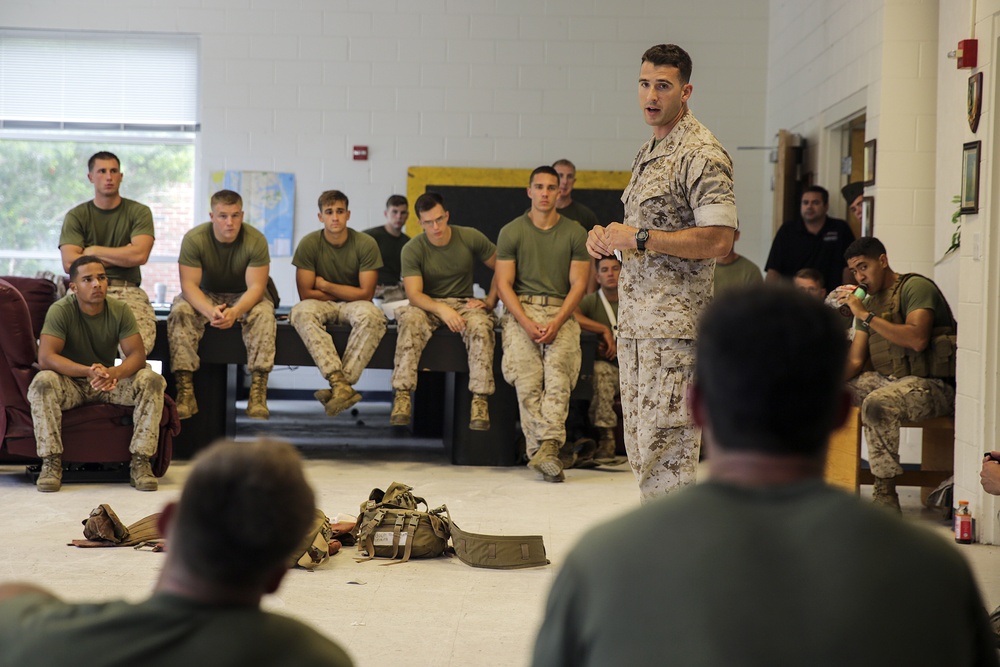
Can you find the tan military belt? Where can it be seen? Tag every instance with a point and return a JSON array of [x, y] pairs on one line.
[[541, 300], [118, 282]]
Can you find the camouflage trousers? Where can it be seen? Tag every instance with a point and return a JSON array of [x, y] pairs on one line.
[[887, 402], [606, 387], [661, 441], [138, 302], [310, 317], [51, 393], [186, 326], [415, 326], [542, 375]]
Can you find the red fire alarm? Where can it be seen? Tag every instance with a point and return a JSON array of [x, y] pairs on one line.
[[966, 53], [360, 152]]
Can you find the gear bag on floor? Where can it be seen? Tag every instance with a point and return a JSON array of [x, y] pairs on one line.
[[391, 526]]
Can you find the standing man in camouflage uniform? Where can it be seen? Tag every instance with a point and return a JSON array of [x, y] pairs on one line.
[[895, 328], [391, 239], [541, 275], [79, 341], [117, 231], [335, 270], [598, 313], [680, 214], [224, 268], [437, 273]]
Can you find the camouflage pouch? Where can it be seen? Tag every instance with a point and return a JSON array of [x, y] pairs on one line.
[[315, 547]]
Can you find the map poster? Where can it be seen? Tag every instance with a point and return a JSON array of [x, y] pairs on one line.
[[268, 204]]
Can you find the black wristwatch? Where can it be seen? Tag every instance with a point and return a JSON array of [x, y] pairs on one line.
[[641, 237], [868, 320]]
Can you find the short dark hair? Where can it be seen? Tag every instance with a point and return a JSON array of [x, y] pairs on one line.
[[866, 246], [226, 198], [544, 169], [396, 200], [244, 510], [102, 155], [770, 368], [331, 196], [822, 193], [597, 261], [811, 274], [82, 260], [427, 201], [670, 55]]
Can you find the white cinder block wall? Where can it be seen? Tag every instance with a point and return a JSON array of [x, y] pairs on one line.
[[293, 85]]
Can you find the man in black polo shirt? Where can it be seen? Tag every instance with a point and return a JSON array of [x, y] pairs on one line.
[[813, 240]]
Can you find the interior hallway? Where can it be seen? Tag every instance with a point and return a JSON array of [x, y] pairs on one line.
[[428, 612]]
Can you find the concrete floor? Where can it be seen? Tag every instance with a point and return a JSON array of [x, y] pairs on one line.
[[429, 612]]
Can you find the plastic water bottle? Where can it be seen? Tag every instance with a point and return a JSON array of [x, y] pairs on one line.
[[861, 291], [963, 523]]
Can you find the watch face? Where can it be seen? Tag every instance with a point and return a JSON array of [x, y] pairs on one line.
[[642, 235]]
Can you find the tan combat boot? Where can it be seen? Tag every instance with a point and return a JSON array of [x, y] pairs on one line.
[[479, 414], [141, 474], [340, 396], [257, 403], [400, 409], [50, 478], [186, 403], [885, 493], [546, 461]]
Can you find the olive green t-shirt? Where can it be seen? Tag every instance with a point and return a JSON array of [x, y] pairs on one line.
[[740, 272], [917, 293], [543, 256], [592, 306], [164, 630], [447, 269], [223, 265], [86, 225], [580, 213], [90, 339], [340, 265], [389, 247]]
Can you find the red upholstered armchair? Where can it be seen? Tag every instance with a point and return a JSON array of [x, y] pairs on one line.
[[95, 433]]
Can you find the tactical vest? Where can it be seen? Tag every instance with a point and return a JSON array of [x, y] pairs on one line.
[[938, 358]]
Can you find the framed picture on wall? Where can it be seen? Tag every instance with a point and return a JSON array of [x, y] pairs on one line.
[[870, 162], [970, 177], [868, 216]]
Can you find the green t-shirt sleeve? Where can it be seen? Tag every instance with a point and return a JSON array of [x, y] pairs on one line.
[[587, 305], [56, 323], [579, 240], [142, 223], [72, 230], [190, 254], [507, 244], [409, 260], [127, 326], [369, 257], [259, 254], [305, 254], [917, 294], [481, 246]]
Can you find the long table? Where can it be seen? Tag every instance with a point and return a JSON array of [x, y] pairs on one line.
[[441, 403]]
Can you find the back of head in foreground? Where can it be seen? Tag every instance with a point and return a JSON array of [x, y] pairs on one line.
[[764, 565], [243, 511]]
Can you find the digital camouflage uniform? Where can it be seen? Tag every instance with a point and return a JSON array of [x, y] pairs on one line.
[[447, 275], [341, 265], [886, 400], [86, 225], [89, 340], [683, 181], [186, 327], [414, 329], [542, 375], [606, 382], [223, 280]]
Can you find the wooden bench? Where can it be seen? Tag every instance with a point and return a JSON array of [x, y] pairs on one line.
[[937, 456]]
